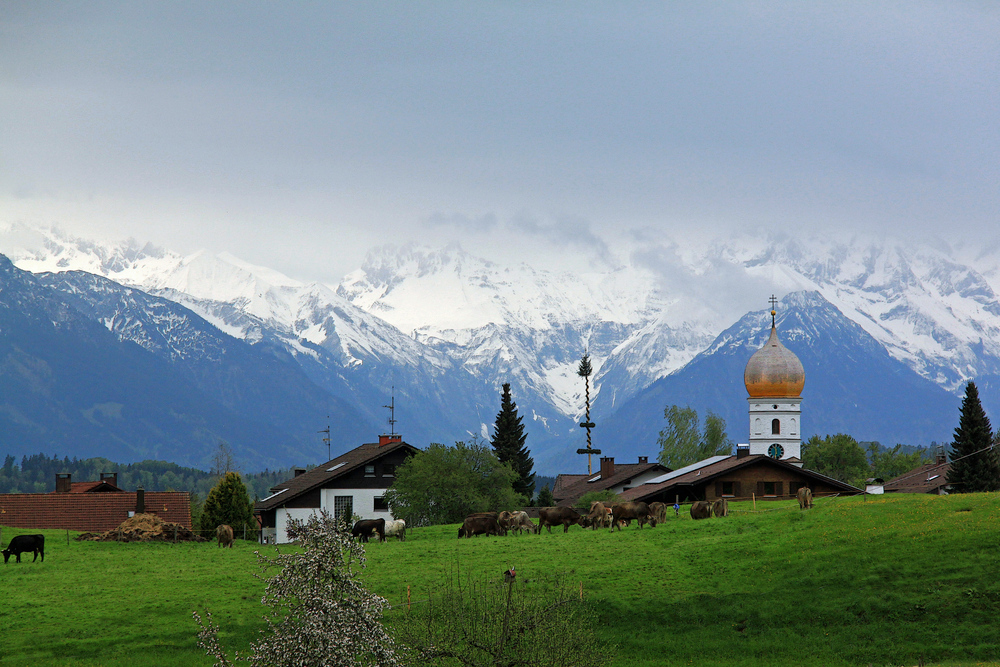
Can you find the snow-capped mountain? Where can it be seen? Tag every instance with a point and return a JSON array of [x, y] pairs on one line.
[[442, 329]]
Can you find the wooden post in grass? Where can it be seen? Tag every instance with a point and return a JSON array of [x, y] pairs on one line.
[[754, 496], [407, 598], [581, 591]]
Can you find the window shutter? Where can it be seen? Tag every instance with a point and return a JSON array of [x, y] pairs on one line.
[[760, 488], [779, 488], [736, 489], [718, 489]]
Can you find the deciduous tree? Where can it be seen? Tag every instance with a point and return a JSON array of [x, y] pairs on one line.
[[975, 465], [682, 444], [838, 456]]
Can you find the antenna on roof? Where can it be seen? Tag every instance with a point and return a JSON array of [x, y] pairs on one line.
[[392, 412], [326, 438]]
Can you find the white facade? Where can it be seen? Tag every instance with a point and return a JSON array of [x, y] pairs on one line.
[[775, 427], [360, 502]]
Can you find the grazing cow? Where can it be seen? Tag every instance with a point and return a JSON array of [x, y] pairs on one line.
[[556, 516], [504, 519], [396, 528], [22, 543], [805, 497], [521, 522], [224, 534], [599, 516], [366, 527], [659, 511], [720, 507], [479, 525], [624, 512], [701, 509]]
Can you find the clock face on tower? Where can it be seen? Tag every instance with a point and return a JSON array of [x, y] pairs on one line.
[[775, 451]]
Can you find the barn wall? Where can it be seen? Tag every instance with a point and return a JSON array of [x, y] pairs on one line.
[[747, 482]]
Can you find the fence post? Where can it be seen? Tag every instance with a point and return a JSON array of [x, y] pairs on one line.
[[754, 496]]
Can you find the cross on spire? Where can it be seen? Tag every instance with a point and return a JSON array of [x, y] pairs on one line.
[[774, 302]]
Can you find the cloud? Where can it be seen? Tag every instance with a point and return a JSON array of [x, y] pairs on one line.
[[563, 232], [462, 222]]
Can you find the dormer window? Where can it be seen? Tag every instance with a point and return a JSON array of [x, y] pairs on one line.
[[388, 470], [370, 471]]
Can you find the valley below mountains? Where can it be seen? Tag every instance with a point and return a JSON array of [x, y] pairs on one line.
[[132, 352]]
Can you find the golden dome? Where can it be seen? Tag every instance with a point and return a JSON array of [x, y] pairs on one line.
[[774, 371]]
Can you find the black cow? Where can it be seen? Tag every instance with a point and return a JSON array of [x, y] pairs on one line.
[[22, 543], [364, 529]]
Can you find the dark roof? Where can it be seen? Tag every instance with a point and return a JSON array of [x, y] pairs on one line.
[[102, 486], [564, 481], [325, 473], [710, 472], [928, 478], [91, 512], [624, 473]]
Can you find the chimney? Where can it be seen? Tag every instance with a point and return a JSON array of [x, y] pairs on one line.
[[643, 459], [63, 481], [389, 439], [140, 500], [742, 451], [298, 471], [110, 477], [939, 456], [607, 467]]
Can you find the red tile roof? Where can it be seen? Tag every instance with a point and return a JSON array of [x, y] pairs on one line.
[[89, 512]]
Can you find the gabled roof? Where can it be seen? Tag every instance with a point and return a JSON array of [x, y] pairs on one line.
[[91, 512], [926, 479], [623, 474], [325, 473], [717, 466], [103, 486]]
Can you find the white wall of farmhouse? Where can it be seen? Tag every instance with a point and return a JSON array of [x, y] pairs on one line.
[[360, 501]]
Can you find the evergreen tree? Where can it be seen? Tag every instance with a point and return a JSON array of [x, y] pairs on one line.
[[508, 443], [228, 503], [972, 472], [545, 498]]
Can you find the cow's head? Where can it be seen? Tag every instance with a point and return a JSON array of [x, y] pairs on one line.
[[6, 556]]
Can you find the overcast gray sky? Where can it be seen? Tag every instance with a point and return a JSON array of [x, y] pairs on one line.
[[297, 135]]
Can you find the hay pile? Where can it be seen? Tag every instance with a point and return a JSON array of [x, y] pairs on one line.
[[144, 528]]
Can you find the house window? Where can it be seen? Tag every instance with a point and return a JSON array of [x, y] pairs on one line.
[[343, 508], [728, 489], [370, 471], [388, 469], [380, 505], [769, 488], [775, 427]]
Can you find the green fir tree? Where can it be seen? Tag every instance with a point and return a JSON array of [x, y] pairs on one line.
[[508, 443], [975, 465], [229, 503]]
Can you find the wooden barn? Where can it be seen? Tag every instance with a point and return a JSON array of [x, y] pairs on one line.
[[740, 477], [92, 507], [351, 484]]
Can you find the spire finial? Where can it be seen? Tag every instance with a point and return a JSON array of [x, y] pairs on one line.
[[774, 302]]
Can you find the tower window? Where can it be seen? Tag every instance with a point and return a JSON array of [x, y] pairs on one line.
[[775, 427]]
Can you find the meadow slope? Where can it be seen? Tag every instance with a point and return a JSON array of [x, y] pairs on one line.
[[891, 580]]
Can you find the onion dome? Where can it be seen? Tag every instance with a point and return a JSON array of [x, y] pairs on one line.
[[774, 371]]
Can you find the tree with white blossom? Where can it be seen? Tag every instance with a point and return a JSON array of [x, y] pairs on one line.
[[319, 613]]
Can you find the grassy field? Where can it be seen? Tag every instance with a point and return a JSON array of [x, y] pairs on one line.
[[896, 580]]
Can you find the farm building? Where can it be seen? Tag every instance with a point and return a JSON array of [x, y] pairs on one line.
[[351, 484], [740, 477], [613, 477], [92, 507], [928, 478]]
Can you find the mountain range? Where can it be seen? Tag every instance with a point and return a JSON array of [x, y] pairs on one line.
[[130, 351]]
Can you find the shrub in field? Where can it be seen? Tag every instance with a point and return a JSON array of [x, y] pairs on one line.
[[503, 623], [228, 503], [607, 496], [319, 613]]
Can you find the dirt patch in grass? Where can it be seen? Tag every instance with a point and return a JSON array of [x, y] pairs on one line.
[[144, 528]]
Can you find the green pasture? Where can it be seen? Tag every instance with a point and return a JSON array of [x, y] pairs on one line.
[[891, 580]]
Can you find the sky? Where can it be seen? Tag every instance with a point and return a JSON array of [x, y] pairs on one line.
[[299, 135]]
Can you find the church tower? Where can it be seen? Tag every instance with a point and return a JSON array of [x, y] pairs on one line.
[[774, 378]]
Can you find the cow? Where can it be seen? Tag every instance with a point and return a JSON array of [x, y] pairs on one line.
[[479, 525], [555, 516], [624, 512], [599, 516], [521, 522], [396, 528], [224, 534], [701, 509], [805, 496], [659, 511], [363, 529], [720, 507], [504, 519], [22, 543]]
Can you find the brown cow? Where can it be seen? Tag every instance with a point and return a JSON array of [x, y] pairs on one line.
[[805, 497], [520, 522], [720, 507], [659, 511], [598, 516], [555, 516], [224, 534], [701, 509], [366, 527], [624, 512], [504, 519], [479, 525]]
